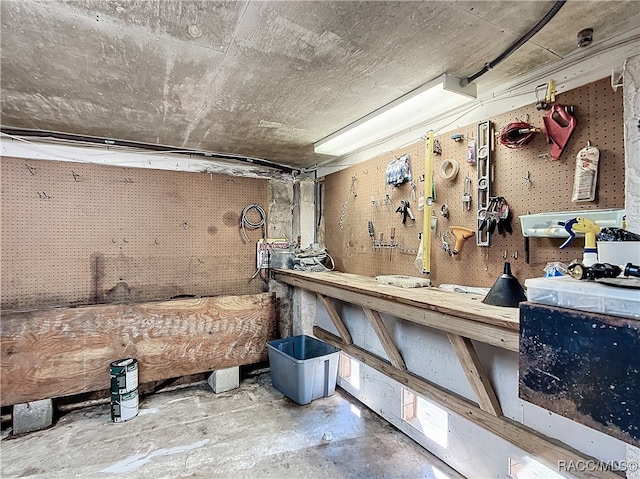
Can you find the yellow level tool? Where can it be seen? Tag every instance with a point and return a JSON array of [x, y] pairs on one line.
[[428, 195]]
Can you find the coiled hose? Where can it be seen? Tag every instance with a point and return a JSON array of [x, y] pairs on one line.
[[246, 223]]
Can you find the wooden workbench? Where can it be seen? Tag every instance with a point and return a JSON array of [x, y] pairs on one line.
[[451, 312], [463, 318]]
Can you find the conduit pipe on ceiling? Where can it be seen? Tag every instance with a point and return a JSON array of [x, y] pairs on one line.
[[517, 44], [24, 132]]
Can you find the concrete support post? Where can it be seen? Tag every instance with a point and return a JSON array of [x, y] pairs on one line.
[[32, 416], [224, 380], [632, 142], [307, 215], [291, 215], [303, 213], [279, 213], [304, 312]]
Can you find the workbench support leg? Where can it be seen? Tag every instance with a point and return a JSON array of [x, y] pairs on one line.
[[470, 362], [385, 338], [336, 319]]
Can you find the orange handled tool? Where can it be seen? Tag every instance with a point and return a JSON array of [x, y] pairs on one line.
[[461, 234]]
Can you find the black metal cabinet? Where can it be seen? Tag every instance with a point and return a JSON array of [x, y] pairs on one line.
[[583, 366]]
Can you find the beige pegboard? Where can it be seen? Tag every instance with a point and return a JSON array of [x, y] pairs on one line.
[[599, 116], [372, 200], [81, 234]]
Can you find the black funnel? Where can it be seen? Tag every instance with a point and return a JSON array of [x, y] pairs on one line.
[[506, 291]]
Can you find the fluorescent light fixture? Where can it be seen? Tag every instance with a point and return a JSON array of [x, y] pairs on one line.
[[424, 103]]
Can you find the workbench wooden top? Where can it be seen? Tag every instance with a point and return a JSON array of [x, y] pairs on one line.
[[455, 304]]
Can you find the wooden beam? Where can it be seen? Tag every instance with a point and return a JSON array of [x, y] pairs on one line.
[[335, 317], [470, 362], [539, 446], [500, 333], [385, 338], [58, 352]]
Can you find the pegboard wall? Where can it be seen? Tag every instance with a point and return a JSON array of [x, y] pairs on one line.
[[83, 234], [358, 194]]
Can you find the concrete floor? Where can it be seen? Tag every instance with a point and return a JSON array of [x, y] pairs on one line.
[[253, 431]]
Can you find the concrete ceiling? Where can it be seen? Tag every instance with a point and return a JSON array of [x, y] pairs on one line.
[[264, 79]]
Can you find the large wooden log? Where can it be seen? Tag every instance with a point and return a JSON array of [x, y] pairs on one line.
[[59, 352]]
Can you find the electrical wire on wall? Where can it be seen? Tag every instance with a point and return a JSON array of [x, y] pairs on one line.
[[245, 223]]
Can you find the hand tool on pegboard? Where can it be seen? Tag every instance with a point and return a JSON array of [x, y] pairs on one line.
[[498, 216], [466, 196], [374, 204], [372, 233], [405, 210], [487, 224], [504, 217], [559, 124], [550, 95], [460, 233], [393, 237], [484, 181], [444, 242]]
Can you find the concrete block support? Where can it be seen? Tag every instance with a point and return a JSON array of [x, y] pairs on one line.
[[224, 380], [32, 416]]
